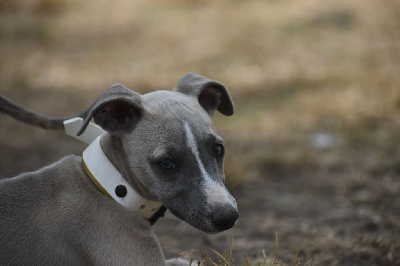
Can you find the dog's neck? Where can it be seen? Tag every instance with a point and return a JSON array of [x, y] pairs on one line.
[[111, 183]]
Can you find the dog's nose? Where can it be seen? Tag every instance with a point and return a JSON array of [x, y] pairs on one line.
[[224, 217]]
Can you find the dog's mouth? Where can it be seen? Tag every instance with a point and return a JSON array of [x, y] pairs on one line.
[[211, 223]]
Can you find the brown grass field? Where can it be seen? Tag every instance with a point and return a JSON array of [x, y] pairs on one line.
[[314, 145]]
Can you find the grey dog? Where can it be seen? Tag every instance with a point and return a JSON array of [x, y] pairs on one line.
[[163, 144]]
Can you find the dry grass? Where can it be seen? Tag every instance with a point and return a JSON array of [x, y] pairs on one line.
[[214, 258], [299, 72]]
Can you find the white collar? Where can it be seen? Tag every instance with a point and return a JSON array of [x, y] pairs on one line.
[[106, 177]]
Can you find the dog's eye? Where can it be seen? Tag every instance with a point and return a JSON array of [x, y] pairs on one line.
[[219, 150], [167, 165]]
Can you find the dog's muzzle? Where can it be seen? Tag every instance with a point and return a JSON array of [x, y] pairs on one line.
[[224, 217]]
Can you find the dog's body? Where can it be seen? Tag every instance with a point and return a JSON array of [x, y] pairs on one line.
[[56, 216], [164, 145]]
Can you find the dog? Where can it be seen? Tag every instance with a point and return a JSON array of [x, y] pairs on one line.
[[159, 150]]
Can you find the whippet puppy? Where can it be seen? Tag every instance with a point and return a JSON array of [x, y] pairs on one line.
[[160, 150]]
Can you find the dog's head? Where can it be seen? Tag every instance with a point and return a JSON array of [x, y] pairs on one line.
[[171, 145]]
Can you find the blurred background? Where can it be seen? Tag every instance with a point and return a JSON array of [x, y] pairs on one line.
[[313, 148]]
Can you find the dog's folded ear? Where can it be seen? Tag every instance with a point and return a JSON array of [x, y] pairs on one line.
[[212, 95], [117, 109]]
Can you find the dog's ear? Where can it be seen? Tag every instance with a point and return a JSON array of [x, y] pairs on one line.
[[117, 109], [212, 95]]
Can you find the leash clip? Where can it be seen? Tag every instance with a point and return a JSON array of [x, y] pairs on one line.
[[73, 125]]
